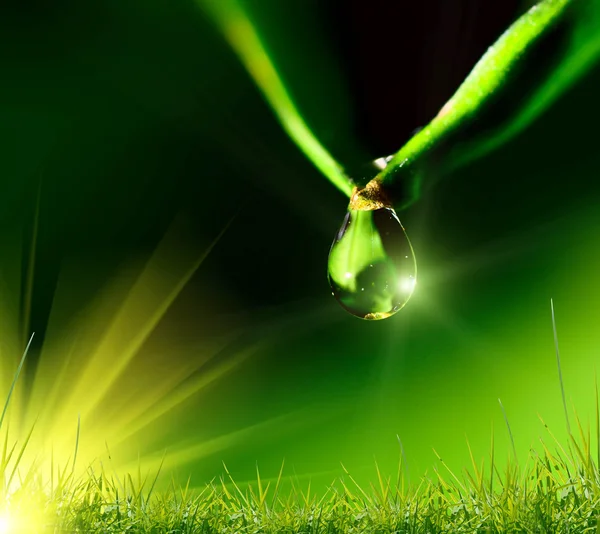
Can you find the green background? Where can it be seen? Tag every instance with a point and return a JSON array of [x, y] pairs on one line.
[[131, 114]]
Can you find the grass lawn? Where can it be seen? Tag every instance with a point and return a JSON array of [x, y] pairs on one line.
[[557, 490]]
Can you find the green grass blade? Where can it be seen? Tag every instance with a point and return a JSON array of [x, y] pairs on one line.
[[581, 52], [156, 477], [597, 420], [12, 387], [402, 461], [21, 452], [456, 479], [503, 78], [560, 377], [365, 495], [492, 463], [476, 471], [512, 440], [240, 32], [240, 492], [276, 490]]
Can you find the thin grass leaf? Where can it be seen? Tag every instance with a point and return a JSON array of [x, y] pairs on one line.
[[156, 478], [478, 472], [241, 494], [560, 377], [512, 441], [20, 455], [276, 490], [240, 32], [510, 77], [597, 418], [12, 387], [365, 495], [458, 481], [492, 462]]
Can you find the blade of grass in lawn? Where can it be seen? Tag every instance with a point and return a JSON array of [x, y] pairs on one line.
[[564, 452], [478, 474], [509, 432], [12, 387], [560, 377], [6, 456], [403, 461], [20, 455], [585, 440], [59, 371], [597, 420], [384, 488], [399, 486], [262, 493], [367, 497], [449, 470], [276, 491], [582, 456], [156, 477], [240, 493], [492, 462], [114, 473]]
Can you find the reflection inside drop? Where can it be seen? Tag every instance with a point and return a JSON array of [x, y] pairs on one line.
[[372, 269]]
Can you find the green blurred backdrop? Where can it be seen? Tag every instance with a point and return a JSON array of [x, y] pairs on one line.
[[124, 117]]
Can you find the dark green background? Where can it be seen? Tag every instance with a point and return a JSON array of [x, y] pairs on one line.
[[128, 114]]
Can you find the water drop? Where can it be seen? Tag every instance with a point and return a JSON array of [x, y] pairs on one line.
[[372, 269]]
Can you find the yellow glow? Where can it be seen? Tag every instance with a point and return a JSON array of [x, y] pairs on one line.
[[107, 366], [91, 360], [28, 521]]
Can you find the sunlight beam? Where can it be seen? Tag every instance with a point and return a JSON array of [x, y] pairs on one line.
[[156, 288]]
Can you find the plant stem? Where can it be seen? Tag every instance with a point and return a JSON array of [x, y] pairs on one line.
[[505, 86], [236, 26]]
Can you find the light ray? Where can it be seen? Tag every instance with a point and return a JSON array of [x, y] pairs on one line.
[[78, 368], [182, 454], [149, 300], [103, 376], [133, 423]]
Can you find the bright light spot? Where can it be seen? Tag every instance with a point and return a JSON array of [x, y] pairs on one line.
[[408, 284], [5, 524], [28, 521], [381, 163], [348, 275]]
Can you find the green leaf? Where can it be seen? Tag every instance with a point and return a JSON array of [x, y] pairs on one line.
[[539, 57], [240, 31], [536, 59]]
